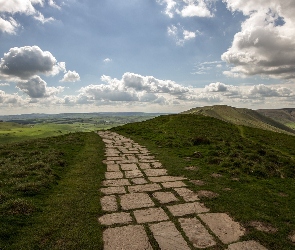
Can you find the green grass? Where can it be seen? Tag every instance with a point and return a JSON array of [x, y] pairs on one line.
[[257, 168], [49, 196]]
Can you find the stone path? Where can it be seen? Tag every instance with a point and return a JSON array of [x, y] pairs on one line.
[[145, 208]]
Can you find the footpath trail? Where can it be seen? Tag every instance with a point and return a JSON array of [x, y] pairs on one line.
[[145, 208]]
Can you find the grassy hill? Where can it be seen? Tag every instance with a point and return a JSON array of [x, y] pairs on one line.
[[242, 116], [252, 170], [285, 116]]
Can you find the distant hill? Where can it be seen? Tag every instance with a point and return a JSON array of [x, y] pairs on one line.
[[285, 116], [242, 116]]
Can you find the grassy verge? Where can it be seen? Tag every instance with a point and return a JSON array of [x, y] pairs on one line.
[[254, 172], [49, 197]]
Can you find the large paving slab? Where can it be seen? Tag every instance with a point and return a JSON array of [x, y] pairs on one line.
[[113, 190], [135, 200], [139, 181], [133, 173], [155, 172], [165, 197], [126, 238], [115, 218], [114, 175], [113, 167], [187, 208], [166, 178], [143, 165], [116, 182], [173, 184], [187, 194], [150, 215], [128, 166], [223, 226], [168, 237], [246, 245], [197, 233], [144, 188], [109, 203]]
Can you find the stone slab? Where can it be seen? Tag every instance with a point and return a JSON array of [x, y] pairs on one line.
[[166, 178], [155, 172], [113, 175], [126, 238], [115, 218], [139, 181], [188, 208], [115, 158], [168, 237], [109, 203], [144, 188], [113, 190], [223, 226], [133, 173], [165, 197], [113, 167], [135, 200], [157, 165], [187, 194], [173, 184], [128, 166], [196, 232], [116, 183], [144, 165], [150, 215], [246, 245]]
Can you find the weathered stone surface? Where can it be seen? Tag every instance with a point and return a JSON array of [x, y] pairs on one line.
[[157, 165], [187, 208], [133, 173], [155, 172], [246, 245], [113, 175], [292, 237], [187, 194], [116, 183], [145, 157], [196, 232], [168, 237], [172, 184], [115, 158], [136, 200], [115, 218], [113, 190], [139, 181], [126, 238], [144, 188], [109, 203], [144, 165], [129, 166], [198, 182], [150, 215], [166, 178], [207, 194], [263, 226], [223, 226], [113, 167], [165, 197]]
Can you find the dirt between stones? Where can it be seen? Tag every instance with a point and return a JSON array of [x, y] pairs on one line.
[[144, 207]]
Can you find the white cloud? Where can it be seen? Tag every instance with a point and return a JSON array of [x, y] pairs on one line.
[[265, 44], [37, 88], [205, 67], [262, 90], [9, 26], [25, 62], [180, 35], [53, 4], [107, 60], [216, 87], [4, 84], [8, 99], [71, 76], [196, 10]]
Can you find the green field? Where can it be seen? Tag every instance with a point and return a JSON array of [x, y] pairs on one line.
[[251, 169]]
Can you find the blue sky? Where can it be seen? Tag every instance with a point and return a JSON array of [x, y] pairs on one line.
[[145, 55]]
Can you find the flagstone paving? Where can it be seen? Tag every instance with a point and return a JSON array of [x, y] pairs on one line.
[[145, 208]]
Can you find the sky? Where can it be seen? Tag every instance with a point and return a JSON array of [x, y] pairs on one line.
[[65, 56]]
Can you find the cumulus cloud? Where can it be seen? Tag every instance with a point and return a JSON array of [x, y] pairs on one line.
[[262, 90], [25, 62], [216, 87], [37, 88], [265, 44], [8, 99], [180, 35], [107, 60], [188, 8], [25, 7], [4, 84], [71, 76]]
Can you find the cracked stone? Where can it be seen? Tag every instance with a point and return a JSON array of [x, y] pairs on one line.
[[109, 203], [168, 237], [136, 200], [113, 175], [188, 208], [155, 172], [144, 188], [133, 173], [115, 218], [246, 245], [129, 166], [187, 194], [166, 178], [172, 184], [165, 197], [113, 190], [196, 233], [223, 226], [116, 182], [150, 215], [127, 237]]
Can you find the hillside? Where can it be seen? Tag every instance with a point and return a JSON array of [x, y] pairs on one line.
[[242, 116], [285, 116]]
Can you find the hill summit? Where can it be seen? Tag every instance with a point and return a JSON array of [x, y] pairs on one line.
[[241, 116]]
